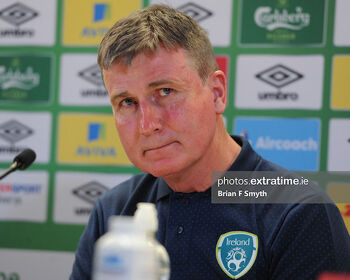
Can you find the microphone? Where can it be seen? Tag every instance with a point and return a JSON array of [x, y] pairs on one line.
[[23, 160]]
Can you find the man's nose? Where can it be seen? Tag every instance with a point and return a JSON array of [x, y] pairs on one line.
[[150, 119]]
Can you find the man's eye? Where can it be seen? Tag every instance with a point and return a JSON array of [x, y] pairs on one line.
[[165, 91], [127, 102]]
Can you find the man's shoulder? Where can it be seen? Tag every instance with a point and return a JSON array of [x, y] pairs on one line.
[[266, 165], [141, 187], [128, 186]]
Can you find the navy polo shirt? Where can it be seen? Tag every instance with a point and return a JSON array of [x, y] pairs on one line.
[[293, 241]]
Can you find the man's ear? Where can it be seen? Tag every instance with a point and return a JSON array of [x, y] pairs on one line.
[[218, 87]]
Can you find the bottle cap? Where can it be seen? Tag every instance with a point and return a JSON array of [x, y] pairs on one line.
[[121, 224], [146, 216]]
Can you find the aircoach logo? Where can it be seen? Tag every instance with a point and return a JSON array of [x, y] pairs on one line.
[[279, 76], [292, 143], [236, 252], [195, 11], [17, 14]]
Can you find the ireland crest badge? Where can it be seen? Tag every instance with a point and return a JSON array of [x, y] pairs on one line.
[[236, 252]]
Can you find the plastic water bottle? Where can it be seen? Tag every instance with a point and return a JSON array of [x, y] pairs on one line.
[[146, 217], [123, 253]]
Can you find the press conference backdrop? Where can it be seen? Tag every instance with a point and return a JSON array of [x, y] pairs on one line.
[[287, 63]]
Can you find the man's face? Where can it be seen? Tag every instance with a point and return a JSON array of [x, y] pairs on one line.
[[164, 114]]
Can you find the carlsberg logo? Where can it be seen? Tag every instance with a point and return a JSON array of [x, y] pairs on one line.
[[16, 79], [271, 20]]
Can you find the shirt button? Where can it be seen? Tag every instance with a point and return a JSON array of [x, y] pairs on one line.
[[186, 201], [180, 229]]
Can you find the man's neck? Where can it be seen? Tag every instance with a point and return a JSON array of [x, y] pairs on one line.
[[221, 155]]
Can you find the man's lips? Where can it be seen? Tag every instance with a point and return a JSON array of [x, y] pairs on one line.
[[160, 147]]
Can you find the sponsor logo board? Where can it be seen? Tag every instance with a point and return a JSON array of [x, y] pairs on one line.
[[29, 22], [225, 121], [344, 209], [77, 192], [340, 99], [282, 22], [224, 65], [25, 79], [339, 145], [339, 192], [215, 19], [291, 143], [279, 81], [22, 130], [33, 264], [89, 139], [342, 23], [23, 196], [86, 21], [81, 81]]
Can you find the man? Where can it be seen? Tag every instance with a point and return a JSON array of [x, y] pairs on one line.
[[168, 98]]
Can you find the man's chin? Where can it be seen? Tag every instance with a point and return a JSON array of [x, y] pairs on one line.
[[162, 167], [162, 170], [162, 173]]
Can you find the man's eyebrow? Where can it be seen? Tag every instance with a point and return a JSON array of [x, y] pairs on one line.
[[150, 85], [119, 95], [160, 82]]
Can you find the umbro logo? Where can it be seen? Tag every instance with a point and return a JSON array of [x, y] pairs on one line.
[[13, 131], [17, 14], [195, 11], [279, 76], [90, 191], [92, 74]]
